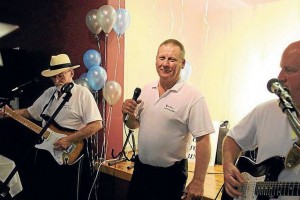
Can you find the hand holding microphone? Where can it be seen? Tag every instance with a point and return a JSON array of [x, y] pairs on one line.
[[129, 105]]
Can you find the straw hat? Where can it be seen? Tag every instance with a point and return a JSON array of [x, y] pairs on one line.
[[58, 64]]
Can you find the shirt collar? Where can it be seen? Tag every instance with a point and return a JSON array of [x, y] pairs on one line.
[[176, 87]]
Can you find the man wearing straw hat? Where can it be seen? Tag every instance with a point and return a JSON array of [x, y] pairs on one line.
[[54, 180]]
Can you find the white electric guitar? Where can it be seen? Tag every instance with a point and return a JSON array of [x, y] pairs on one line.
[[51, 135], [261, 180]]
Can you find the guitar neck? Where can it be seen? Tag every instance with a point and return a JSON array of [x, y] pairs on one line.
[[22, 120], [272, 188]]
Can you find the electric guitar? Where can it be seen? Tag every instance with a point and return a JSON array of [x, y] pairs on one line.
[[51, 135], [261, 180]]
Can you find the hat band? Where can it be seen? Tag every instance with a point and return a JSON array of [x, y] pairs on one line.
[[55, 67]]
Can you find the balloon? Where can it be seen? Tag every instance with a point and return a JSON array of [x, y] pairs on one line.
[[112, 92], [84, 83], [96, 77], [106, 16], [84, 76], [91, 58], [186, 72], [92, 22], [123, 21]]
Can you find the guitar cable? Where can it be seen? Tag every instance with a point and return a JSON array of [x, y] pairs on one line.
[[222, 187]]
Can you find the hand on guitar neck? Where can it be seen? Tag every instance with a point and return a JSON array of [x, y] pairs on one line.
[[261, 180]]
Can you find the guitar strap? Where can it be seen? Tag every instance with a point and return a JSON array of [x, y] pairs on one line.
[[45, 116], [293, 157]]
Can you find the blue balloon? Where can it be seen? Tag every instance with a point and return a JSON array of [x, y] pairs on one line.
[[91, 58], [122, 22], [97, 77]]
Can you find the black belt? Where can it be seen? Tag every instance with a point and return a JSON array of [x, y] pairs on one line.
[[181, 163]]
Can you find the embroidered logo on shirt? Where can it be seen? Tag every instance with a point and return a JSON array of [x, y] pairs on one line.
[[67, 107], [170, 108]]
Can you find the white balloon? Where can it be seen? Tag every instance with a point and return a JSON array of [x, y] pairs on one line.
[[106, 16], [186, 71], [92, 22], [112, 92]]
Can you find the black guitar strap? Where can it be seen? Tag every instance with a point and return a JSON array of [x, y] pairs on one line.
[[44, 116]]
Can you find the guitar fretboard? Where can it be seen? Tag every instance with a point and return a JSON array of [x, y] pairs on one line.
[[272, 188], [29, 124]]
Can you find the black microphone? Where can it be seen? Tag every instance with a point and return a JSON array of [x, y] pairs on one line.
[[135, 96], [274, 86], [36, 80], [67, 87]]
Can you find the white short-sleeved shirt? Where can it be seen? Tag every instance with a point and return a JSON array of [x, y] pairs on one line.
[[166, 121], [80, 110], [267, 128]]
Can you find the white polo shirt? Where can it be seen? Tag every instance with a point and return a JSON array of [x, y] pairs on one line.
[[81, 109], [166, 121]]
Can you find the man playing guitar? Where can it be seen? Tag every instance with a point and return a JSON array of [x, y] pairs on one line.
[[79, 118], [268, 129]]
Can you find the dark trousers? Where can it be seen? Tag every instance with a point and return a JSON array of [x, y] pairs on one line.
[[48, 180], [157, 183]]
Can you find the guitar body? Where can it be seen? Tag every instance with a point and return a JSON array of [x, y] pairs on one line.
[[267, 170], [50, 136], [65, 157]]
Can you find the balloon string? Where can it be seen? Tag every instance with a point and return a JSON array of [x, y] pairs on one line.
[[182, 18], [172, 15], [119, 6], [117, 58], [96, 138], [153, 9], [97, 146], [98, 42], [205, 21], [103, 153], [108, 124], [105, 48]]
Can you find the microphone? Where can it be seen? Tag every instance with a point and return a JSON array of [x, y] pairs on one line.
[[36, 80], [135, 96], [274, 86], [67, 87]]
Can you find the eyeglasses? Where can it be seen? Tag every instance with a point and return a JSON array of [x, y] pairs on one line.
[[61, 75]]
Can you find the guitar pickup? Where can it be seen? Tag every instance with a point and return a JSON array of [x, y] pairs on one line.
[[70, 148]]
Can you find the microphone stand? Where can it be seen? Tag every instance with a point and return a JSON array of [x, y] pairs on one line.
[[122, 155], [293, 157], [4, 189]]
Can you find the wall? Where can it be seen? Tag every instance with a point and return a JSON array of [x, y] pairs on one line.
[[233, 47]]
